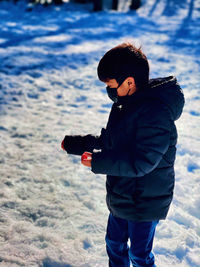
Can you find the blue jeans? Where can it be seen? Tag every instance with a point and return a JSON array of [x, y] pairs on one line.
[[141, 236]]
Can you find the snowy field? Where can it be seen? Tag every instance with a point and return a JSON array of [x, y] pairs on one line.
[[52, 209]]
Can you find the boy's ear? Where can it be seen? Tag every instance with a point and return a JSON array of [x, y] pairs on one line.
[[131, 82]]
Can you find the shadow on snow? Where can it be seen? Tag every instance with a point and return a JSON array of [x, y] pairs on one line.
[[83, 27]]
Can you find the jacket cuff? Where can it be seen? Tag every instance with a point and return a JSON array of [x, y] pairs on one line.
[[97, 164]]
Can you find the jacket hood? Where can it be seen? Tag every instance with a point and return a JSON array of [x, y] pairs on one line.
[[165, 90], [168, 91]]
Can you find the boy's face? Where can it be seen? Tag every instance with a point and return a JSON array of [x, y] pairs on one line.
[[127, 86]]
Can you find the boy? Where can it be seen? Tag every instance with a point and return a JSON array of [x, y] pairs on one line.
[[137, 153]]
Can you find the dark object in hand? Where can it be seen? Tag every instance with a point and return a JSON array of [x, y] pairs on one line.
[[78, 144]]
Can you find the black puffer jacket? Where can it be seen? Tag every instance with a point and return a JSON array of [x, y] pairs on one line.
[[138, 150]]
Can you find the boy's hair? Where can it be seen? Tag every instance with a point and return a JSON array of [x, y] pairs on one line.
[[123, 61]]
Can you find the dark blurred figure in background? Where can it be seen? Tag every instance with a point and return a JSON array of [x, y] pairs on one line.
[[135, 4], [98, 4]]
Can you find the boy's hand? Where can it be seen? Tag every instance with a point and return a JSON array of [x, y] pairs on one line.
[[62, 145], [86, 159]]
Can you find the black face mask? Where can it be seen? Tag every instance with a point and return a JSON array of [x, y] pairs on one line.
[[112, 93]]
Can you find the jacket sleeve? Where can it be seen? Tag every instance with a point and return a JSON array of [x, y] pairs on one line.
[[151, 142], [78, 144]]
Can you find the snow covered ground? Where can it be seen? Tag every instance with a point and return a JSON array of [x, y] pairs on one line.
[[52, 209]]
